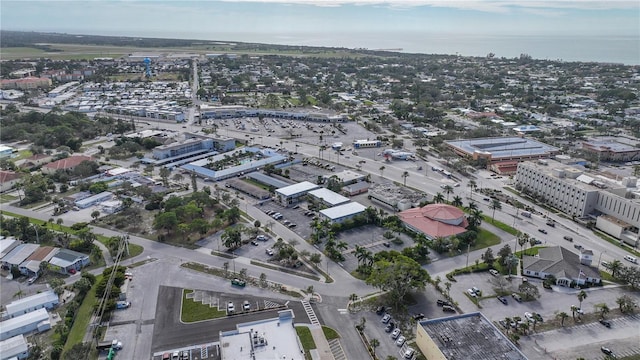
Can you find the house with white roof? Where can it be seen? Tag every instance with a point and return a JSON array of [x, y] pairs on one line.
[[291, 194], [14, 348], [47, 300], [341, 213], [24, 324]]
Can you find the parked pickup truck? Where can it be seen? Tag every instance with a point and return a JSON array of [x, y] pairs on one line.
[[106, 345]]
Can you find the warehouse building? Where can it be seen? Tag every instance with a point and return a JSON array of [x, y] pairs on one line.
[[327, 197], [44, 300], [34, 321], [292, 194], [18, 255], [341, 213], [94, 199], [14, 348]]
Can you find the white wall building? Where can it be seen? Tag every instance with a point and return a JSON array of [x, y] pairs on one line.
[[291, 194], [14, 348], [47, 300], [328, 197], [34, 321], [341, 213]]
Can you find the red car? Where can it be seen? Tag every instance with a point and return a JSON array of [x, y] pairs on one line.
[[72, 271]]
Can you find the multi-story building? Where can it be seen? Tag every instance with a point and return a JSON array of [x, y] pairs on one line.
[[193, 143], [614, 206], [25, 83], [612, 149]]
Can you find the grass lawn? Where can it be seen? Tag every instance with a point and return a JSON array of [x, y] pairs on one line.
[[306, 339], [83, 317], [193, 311], [485, 239], [4, 198], [499, 225], [329, 333]]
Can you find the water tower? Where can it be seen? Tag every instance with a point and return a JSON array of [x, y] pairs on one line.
[[147, 64]]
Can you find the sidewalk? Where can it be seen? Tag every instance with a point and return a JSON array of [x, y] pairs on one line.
[[322, 350]]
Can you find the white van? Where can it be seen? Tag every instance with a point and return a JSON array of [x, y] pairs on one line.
[[631, 259]]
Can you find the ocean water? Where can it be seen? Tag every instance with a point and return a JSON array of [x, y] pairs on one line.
[[608, 49]]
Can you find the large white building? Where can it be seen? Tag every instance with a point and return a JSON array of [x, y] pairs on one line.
[[46, 300], [34, 321], [291, 194], [341, 213], [14, 348], [614, 206], [263, 339]]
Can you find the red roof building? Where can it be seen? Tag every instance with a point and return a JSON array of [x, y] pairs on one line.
[[65, 164], [8, 179], [435, 220]]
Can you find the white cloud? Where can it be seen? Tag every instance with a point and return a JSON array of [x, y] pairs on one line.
[[499, 6]]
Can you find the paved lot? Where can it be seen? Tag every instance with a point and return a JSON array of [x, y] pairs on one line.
[[170, 333], [584, 341], [550, 301]]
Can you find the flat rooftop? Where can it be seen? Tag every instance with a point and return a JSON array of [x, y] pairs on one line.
[[329, 196], [298, 188], [268, 339], [572, 175], [609, 144], [470, 336], [504, 147], [340, 211]]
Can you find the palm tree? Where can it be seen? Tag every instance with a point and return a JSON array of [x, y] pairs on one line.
[[522, 238], [342, 246], [573, 312], [457, 201], [439, 198], [603, 308], [404, 176], [472, 206], [447, 190], [472, 185], [374, 344], [581, 296], [495, 205], [359, 253], [508, 320], [562, 316], [615, 266], [382, 170]]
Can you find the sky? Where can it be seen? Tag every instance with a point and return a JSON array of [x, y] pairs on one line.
[[319, 22]]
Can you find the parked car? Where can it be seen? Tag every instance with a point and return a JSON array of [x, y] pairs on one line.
[[246, 306], [528, 316], [408, 354], [516, 297], [380, 310], [418, 316], [476, 291], [269, 252], [442, 302], [401, 341], [32, 280], [386, 318], [606, 323], [494, 272], [537, 242], [471, 293], [543, 231], [254, 243], [395, 333], [230, 307], [292, 225], [607, 351], [389, 328], [502, 299], [579, 247], [447, 308], [262, 238], [238, 282], [185, 355], [568, 238]]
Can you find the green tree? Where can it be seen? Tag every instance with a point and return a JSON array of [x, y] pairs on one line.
[[529, 290], [164, 175], [495, 205], [581, 296], [488, 257], [404, 177], [447, 190], [166, 220], [232, 238], [439, 198], [626, 304], [397, 274], [615, 267], [95, 215], [374, 344], [457, 201], [603, 308], [562, 316], [232, 215]]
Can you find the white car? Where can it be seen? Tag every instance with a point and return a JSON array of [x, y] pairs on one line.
[[408, 354], [471, 293], [529, 316], [246, 306], [494, 272], [386, 318], [395, 333], [230, 307], [401, 341]]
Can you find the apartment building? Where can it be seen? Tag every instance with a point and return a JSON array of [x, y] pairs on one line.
[[614, 206]]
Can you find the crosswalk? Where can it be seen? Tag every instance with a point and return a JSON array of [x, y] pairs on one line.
[[336, 349], [310, 313], [270, 304]]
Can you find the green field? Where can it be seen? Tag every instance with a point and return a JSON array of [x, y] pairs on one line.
[[306, 339], [193, 311]]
